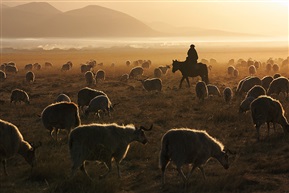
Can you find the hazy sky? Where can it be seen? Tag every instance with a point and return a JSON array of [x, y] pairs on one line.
[[269, 17]]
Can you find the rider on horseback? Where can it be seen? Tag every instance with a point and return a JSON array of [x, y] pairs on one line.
[[192, 57]]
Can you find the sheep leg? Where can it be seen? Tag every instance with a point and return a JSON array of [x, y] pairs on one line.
[[108, 165], [258, 132], [203, 172], [82, 168], [118, 170], [268, 126], [191, 172], [163, 162], [4, 167], [182, 174]]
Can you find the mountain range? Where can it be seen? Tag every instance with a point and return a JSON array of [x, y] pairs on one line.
[[40, 19]]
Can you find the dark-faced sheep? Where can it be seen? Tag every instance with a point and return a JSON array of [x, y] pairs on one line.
[[275, 68], [189, 146], [252, 70], [124, 78], [152, 84], [248, 84], [103, 142], [66, 67], [265, 109], [84, 68], [201, 90], [97, 104], [18, 95], [12, 143], [62, 115], [28, 67], [11, 69], [85, 95], [30, 77], [230, 70]]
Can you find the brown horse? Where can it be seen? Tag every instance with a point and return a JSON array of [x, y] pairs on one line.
[[200, 70]]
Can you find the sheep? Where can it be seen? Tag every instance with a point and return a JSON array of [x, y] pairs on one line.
[[228, 94], [127, 63], [99, 103], [48, 65], [2, 76], [89, 77], [30, 76], [62, 97], [201, 90], [37, 66], [157, 73], [236, 73], [124, 78], [257, 64], [252, 94], [164, 69], [151, 84], [103, 142], [213, 90], [275, 67], [61, 115], [252, 70], [85, 95], [268, 67], [240, 83], [145, 64], [12, 69], [18, 95], [28, 67], [66, 67], [12, 143], [136, 71], [84, 68], [265, 109], [248, 84], [265, 81], [189, 146], [230, 70], [276, 75], [278, 85], [100, 75]]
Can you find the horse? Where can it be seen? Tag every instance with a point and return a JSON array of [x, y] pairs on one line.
[[200, 70]]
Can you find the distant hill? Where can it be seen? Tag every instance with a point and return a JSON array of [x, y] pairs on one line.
[[43, 20]]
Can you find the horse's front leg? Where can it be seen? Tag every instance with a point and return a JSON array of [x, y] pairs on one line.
[[181, 82], [187, 79]]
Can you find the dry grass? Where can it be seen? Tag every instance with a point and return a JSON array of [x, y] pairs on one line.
[[257, 166]]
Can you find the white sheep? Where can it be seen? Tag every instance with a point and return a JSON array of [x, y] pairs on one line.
[[189, 146], [18, 95], [12, 143], [102, 142], [265, 109], [85, 95]]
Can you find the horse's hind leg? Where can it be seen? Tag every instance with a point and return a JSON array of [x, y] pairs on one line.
[[187, 79], [180, 86]]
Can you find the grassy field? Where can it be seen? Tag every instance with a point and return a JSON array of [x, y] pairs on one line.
[[256, 167]]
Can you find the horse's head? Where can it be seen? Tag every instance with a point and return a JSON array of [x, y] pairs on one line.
[[175, 66]]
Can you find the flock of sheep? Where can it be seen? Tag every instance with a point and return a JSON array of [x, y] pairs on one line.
[[104, 142]]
